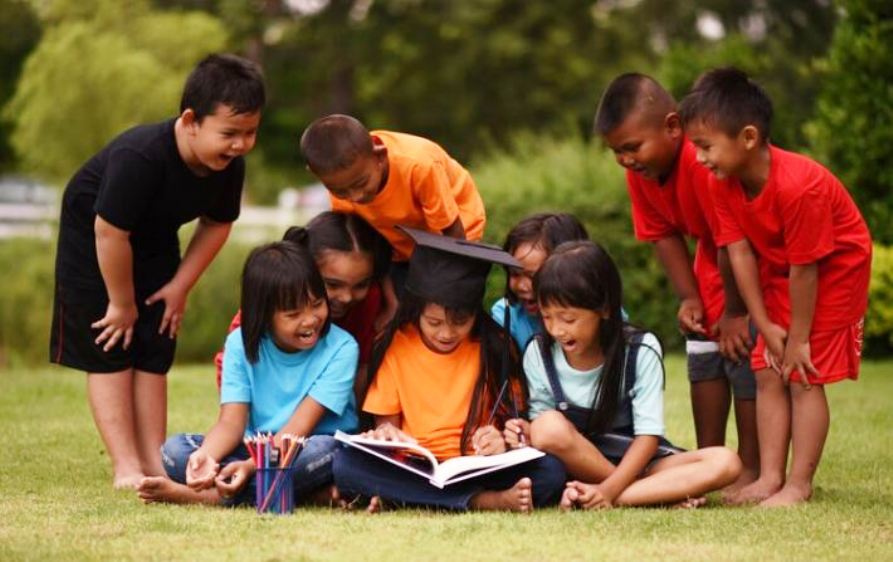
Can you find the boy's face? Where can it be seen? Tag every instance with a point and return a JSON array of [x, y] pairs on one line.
[[723, 155], [219, 138], [646, 147], [361, 181]]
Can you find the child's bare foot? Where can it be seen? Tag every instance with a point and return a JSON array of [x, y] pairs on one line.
[[691, 503], [790, 494], [153, 489], [569, 498], [746, 478], [376, 505], [754, 492], [128, 481], [518, 498]]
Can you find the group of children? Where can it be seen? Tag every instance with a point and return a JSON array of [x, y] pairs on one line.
[[371, 318]]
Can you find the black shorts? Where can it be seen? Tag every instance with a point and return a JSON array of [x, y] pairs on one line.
[[72, 338]]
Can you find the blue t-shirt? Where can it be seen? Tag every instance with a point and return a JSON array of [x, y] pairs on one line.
[[580, 386], [523, 325], [279, 381]]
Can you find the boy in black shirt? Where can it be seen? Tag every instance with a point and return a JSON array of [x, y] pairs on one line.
[[121, 286]]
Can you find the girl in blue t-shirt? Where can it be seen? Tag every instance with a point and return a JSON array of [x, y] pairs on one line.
[[287, 369], [530, 242], [596, 395]]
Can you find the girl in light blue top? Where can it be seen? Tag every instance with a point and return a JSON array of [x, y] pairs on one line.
[[596, 395], [530, 242], [287, 369]]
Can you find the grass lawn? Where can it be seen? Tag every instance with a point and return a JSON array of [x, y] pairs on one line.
[[57, 501]]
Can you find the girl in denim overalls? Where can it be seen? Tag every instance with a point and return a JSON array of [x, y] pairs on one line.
[[596, 395]]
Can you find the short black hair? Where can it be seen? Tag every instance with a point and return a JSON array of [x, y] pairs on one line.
[[334, 142], [544, 230], [627, 93], [276, 276], [342, 232], [224, 79], [730, 100]]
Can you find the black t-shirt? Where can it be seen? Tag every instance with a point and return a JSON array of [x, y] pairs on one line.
[[139, 183]]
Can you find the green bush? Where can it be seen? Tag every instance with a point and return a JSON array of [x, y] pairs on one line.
[[879, 319], [570, 175]]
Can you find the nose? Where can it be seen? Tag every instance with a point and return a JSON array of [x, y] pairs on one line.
[[525, 285], [625, 160], [700, 156]]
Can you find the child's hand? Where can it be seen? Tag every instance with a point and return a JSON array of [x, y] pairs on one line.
[[233, 477], [174, 298], [389, 432], [488, 440], [691, 316], [798, 356], [516, 433], [201, 470], [116, 324], [734, 337], [775, 337]]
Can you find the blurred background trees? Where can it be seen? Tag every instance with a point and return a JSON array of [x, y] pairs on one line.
[[509, 87]]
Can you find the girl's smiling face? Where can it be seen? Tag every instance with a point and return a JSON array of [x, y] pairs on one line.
[[577, 332], [347, 276], [442, 332], [299, 329], [531, 257]]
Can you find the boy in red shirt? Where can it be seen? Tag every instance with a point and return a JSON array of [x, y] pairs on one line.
[[392, 179], [801, 254], [667, 187]]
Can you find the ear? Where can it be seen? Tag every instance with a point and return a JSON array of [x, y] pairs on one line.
[[673, 125], [379, 150], [750, 137], [188, 118]]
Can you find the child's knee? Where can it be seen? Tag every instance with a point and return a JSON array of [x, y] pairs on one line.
[[726, 464], [552, 432], [175, 454]]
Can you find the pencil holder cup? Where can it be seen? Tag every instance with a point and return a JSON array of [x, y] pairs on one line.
[[275, 490]]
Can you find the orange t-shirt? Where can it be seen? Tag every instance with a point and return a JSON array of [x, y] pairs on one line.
[[426, 189], [432, 391]]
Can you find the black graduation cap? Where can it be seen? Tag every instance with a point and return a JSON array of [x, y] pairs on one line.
[[449, 271]]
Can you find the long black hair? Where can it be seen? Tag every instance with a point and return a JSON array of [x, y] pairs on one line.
[[276, 276], [342, 232], [489, 386], [582, 274], [543, 230]]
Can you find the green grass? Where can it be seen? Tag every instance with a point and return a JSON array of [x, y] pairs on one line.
[[56, 500]]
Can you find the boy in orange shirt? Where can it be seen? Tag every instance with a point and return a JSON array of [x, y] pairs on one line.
[[668, 191], [390, 178], [801, 254]]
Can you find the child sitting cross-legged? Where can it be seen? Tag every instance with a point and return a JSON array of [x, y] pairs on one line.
[[286, 370], [596, 395]]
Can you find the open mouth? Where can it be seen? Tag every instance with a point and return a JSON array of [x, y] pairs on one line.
[[306, 337]]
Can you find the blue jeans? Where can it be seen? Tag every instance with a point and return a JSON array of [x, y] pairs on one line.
[[313, 468], [360, 473]]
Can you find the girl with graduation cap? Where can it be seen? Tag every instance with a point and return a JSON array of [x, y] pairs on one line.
[[447, 376]]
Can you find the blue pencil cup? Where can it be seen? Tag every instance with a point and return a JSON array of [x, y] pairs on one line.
[[275, 490]]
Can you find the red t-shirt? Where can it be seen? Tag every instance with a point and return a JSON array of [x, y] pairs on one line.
[[803, 215], [358, 323], [682, 205]]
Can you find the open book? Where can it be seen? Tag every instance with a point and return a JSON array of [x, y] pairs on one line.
[[417, 459]]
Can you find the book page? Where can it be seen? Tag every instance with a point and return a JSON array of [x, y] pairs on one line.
[[462, 468]]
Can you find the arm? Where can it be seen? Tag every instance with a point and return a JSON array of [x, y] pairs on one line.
[[221, 439], [734, 332], [306, 416], [115, 257], [803, 287], [744, 266], [455, 230], [673, 256], [207, 240]]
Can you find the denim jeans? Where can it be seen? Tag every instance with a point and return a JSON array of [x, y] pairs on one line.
[[313, 468], [360, 473]]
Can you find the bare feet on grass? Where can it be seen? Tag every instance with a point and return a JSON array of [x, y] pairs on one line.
[[128, 481], [790, 494], [755, 492], [518, 498], [691, 503], [153, 489], [747, 477]]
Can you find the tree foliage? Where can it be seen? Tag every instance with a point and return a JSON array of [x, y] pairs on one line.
[[853, 128], [101, 67]]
